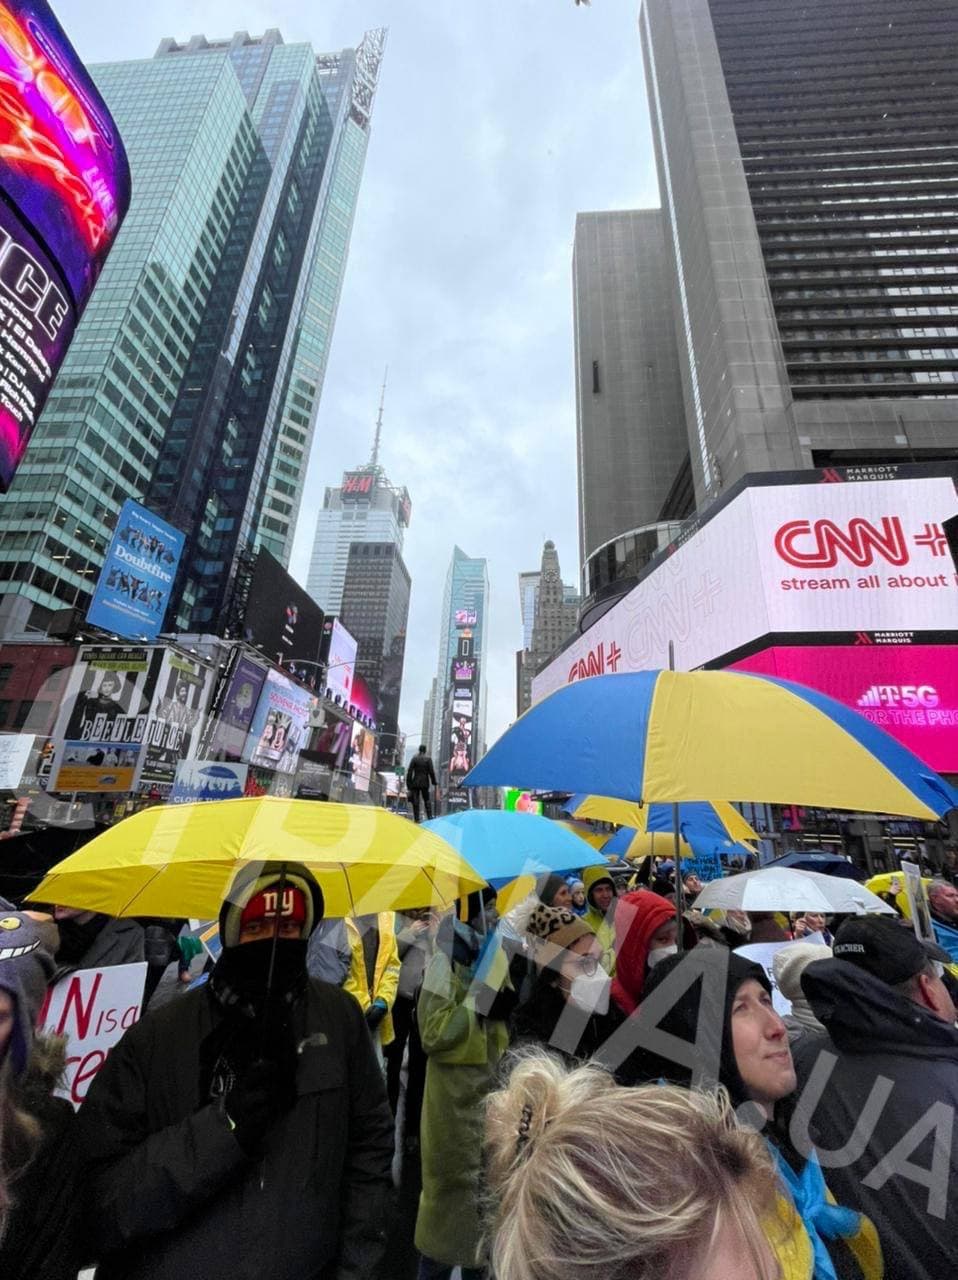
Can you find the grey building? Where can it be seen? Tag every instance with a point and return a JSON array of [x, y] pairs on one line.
[[556, 619], [806, 163], [630, 415], [375, 609], [194, 378]]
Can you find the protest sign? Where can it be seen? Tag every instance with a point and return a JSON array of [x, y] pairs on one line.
[[918, 903], [92, 1008]]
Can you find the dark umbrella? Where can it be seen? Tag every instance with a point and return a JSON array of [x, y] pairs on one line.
[[828, 864], [26, 858]]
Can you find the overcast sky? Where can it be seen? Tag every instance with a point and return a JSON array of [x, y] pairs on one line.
[[496, 121]]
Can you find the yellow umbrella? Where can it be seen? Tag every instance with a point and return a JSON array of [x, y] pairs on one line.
[[594, 838], [660, 844], [627, 813], [179, 860]]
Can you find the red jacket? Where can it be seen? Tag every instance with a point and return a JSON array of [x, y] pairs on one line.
[[638, 917]]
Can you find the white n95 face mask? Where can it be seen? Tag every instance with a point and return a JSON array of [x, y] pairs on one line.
[[658, 954], [590, 991]]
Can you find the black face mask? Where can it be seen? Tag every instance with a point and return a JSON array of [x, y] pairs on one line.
[[76, 938], [242, 973]]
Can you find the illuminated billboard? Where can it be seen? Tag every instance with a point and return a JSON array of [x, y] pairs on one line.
[[64, 190], [466, 617], [282, 620], [910, 690], [339, 657], [361, 756], [358, 484], [236, 708], [134, 585], [280, 725], [784, 555]]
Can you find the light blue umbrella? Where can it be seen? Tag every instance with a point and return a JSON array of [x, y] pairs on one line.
[[501, 846]]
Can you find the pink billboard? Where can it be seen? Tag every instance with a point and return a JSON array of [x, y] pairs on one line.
[[910, 690]]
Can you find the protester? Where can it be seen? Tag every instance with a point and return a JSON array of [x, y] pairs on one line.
[[788, 965], [579, 903], [645, 935], [415, 940], [463, 1048], [420, 778], [735, 925], [715, 997], [811, 922], [707, 932], [882, 1086], [593, 1182], [373, 976], [943, 903], [89, 940], [553, 891], [568, 1009], [692, 884], [39, 1158], [602, 898], [243, 1130]]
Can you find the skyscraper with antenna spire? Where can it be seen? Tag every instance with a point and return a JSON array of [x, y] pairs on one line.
[[365, 508]]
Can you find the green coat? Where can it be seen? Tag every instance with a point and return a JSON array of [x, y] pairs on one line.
[[463, 1053]]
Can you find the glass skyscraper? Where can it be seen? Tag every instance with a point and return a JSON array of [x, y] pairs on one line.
[[466, 595], [194, 378]]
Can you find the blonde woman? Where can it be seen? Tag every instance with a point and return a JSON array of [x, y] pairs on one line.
[[589, 1181]]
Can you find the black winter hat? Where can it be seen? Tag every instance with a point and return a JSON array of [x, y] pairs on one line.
[[888, 950], [682, 1018]]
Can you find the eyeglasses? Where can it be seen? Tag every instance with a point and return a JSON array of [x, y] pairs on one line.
[[587, 965]]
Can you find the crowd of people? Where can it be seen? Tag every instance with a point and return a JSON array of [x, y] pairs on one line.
[[587, 1087]]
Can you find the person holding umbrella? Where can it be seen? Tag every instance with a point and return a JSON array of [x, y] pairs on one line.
[[243, 1129]]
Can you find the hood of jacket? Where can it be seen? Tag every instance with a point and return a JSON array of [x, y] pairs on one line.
[[862, 1014], [592, 876], [638, 917]]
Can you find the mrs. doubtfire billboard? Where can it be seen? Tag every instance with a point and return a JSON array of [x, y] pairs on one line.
[[64, 190]]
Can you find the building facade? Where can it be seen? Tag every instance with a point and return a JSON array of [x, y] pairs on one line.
[[805, 160], [556, 619], [364, 508], [375, 609], [194, 377], [630, 416], [465, 608]]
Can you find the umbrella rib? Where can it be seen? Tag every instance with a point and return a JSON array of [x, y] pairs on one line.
[[142, 889]]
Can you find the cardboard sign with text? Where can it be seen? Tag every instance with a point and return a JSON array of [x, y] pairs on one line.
[[92, 1008]]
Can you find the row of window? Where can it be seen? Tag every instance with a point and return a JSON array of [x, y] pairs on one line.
[[875, 353], [899, 378]]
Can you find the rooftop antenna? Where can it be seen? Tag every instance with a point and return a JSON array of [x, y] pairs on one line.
[[374, 460]]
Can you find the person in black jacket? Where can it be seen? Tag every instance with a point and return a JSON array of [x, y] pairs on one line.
[[420, 776], [880, 1091], [39, 1160], [243, 1129]]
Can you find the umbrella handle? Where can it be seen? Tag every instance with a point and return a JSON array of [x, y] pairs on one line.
[[272, 954]]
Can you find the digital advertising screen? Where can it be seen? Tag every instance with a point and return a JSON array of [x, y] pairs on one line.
[[362, 703], [64, 191], [910, 690], [282, 619], [361, 756], [515, 800], [333, 741], [245, 683], [339, 656], [463, 670], [280, 725], [133, 589], [358, 484], [461, 724], [790, 554], [466, 617]]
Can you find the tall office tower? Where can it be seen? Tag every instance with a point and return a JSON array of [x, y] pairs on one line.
[[806, 162], [375, 609], [463, 625], [194, 377], [556, 619], [365, 508], [428, 716], [630, 416], [528, 594]]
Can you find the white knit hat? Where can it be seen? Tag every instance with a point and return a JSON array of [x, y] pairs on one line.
[[791, 962]]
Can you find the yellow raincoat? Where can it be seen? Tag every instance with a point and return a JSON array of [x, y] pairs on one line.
[[386, 975]]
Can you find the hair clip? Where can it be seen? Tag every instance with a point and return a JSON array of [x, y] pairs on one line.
[[524, 1126]]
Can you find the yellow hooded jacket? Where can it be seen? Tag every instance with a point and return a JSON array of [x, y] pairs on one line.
[[386, 975]]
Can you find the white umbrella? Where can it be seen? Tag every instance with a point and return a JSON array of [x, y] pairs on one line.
[[785, 889]]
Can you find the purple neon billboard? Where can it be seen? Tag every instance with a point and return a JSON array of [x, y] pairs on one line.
[[64, 190]]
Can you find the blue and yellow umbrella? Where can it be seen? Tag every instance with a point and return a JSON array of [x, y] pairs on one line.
[[675, 736], [719, 822]]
